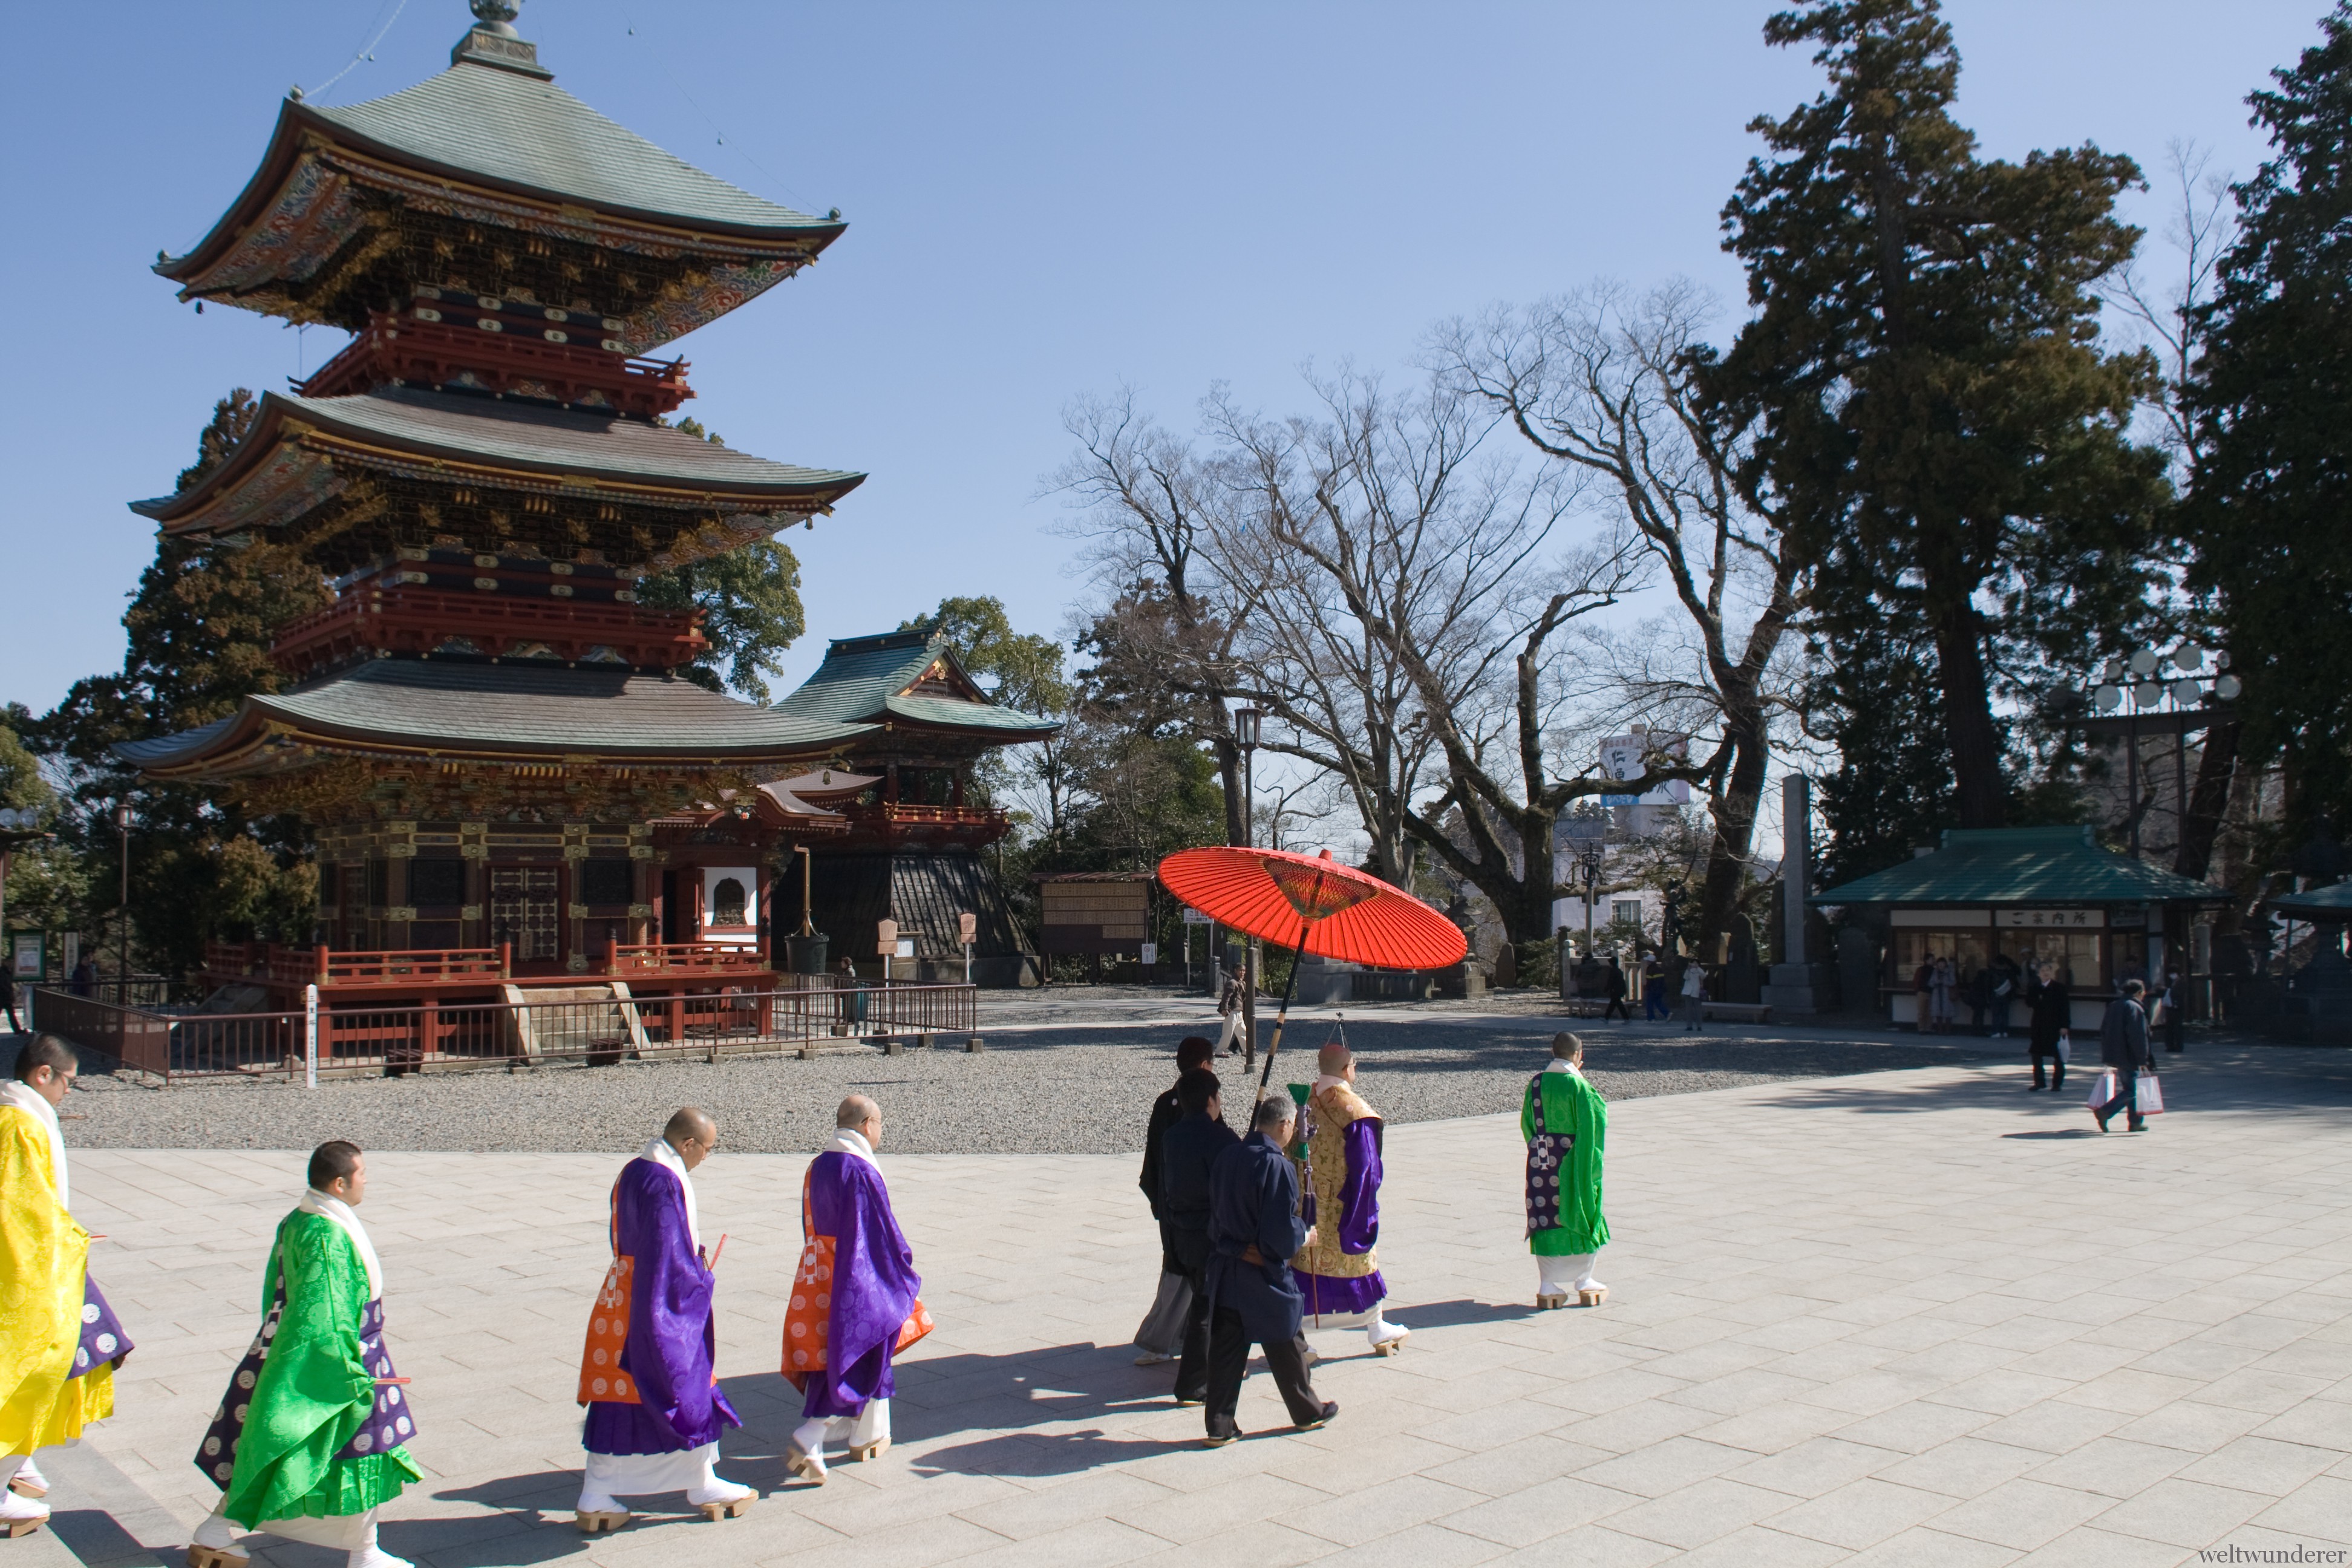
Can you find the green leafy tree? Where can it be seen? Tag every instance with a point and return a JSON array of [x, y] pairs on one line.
[[1940, 432], [751, 600], [2272, 401]]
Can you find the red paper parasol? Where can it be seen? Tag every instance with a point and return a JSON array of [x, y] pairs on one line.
[[1312, 904], [1348, 914]]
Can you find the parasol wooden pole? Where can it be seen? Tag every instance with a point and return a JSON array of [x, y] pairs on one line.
[[1289, 989]]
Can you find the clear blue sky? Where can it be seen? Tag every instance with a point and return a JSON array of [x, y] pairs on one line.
[[1043, 200]]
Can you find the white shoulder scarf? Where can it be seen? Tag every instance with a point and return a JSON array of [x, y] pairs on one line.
[[662, 1153], [24, 1097], [339, 1212], [1558, 1064], [849, 1141]]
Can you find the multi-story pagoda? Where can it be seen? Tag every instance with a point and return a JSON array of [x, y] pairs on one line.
[[507, 778]]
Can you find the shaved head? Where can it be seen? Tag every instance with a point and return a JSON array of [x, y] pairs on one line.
[[856, 1112], [1334, 1059], [690, 1121]]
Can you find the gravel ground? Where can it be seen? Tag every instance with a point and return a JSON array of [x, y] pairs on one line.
[[1058, 1091]]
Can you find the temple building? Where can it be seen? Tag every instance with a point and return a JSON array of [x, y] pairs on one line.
[[508, 781]]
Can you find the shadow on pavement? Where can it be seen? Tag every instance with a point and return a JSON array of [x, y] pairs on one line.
[[1454, 1313]]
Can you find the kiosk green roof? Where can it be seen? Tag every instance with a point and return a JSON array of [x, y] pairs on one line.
[[2022, 866]]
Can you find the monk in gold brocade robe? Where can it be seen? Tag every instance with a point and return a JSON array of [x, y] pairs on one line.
[[60, 1344], [1338, 1270]]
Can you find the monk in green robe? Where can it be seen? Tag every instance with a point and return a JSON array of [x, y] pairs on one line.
[[1566, 1124], [311, 1436]]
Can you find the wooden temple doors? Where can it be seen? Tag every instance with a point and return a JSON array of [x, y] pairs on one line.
[[526, 910]]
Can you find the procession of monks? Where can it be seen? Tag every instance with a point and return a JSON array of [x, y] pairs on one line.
[[310, 1438]]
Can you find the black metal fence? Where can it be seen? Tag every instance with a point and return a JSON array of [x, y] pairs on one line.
[[347, 1039]]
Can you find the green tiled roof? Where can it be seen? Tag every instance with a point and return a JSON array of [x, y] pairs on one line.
[[2329, 903], [520, 131], [523, 435], [2020, 866], [861, 680], [462, 708]]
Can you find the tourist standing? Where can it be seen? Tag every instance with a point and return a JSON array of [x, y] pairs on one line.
[[1254, 1232], [1189, 1153], [8, 992], [1565, 1124], [1234, 1024], [2123, 1045], [2172, 1009], [59, 1341], [2007, 980], [655, 1412], [1338, 1268], [311, 1436], [1941, 994], [1161, 1333], [1655, 1007], [1923, 995], [1694, 998], [2053, 1017], [854, 1306]]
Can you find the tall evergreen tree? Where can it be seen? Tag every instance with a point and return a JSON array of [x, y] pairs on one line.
[[2269, 511], [1939, 430]]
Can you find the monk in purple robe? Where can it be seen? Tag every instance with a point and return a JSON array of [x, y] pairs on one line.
[[1338, 1270], [868, 1295], [654, 1410]]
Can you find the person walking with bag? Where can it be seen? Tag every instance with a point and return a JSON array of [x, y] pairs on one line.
[[2053, 1009], [1694, 998], [2123, 1045]]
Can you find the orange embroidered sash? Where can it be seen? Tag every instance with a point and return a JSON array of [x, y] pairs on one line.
[[601, 1379]]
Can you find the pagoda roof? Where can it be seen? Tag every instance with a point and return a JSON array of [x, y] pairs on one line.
[[908, 677], [492, 142], [302, 453], [2022, 866], [453, 710], [2322, 905]]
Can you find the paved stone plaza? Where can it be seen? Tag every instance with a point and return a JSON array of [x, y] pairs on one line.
[[1909, 1317]]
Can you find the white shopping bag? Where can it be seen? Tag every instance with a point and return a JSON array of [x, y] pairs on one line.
[[2149, 1096], [2064, 1053], [2103, 1089]]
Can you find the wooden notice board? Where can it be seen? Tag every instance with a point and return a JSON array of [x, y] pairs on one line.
[[1094, 916]]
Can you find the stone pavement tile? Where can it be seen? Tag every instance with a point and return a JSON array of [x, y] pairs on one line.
[[1869, 1392], [1760, 1546], [1924, 1547], [1538, 1512], [1261, 1545], [1194, 1516], [1334, 1471], [2317, 1510], [1738, 1393], [1087, 1546], [1612, 1391], [2142, 1331], [1515, 1467], [1963, 1467], [2183, 1513], [2002, 1393], [2320, 1423], [1105, 1494], [1956, 1363], [2022, 1515], [2078, 1360], [2094, 1547], [1912, 1428], [1423, 1546], [1592, 1546], [1861, 1513], [2135, 1390], [1491, 1426], [2310, 1357], [2197, 1428], [2266, 1464], [2269, 1393], [1694, 1515], [2112, 1467], [1664, 1467], [1772, 1428], [1636, 1426], [2059, 1426], [1811, 1468], [1383, 1511]]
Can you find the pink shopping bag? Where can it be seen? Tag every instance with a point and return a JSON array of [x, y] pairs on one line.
[[2151, 1096], [2103, 1089]]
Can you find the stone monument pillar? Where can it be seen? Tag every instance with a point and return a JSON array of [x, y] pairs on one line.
[[1792, 991]]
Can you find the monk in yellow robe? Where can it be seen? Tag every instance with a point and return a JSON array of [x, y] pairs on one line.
[[60, 1344]]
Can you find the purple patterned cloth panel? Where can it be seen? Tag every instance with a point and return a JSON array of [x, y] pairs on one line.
[[389, 1424], [102, 1339], [672, 1339], [874, 1283]]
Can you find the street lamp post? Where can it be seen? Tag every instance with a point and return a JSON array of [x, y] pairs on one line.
[[123, 826], [1246, 723]]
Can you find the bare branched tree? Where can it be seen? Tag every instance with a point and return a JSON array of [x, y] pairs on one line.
[[1603, 382]]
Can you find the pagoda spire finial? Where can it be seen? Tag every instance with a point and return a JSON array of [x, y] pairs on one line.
[[493, 41]]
